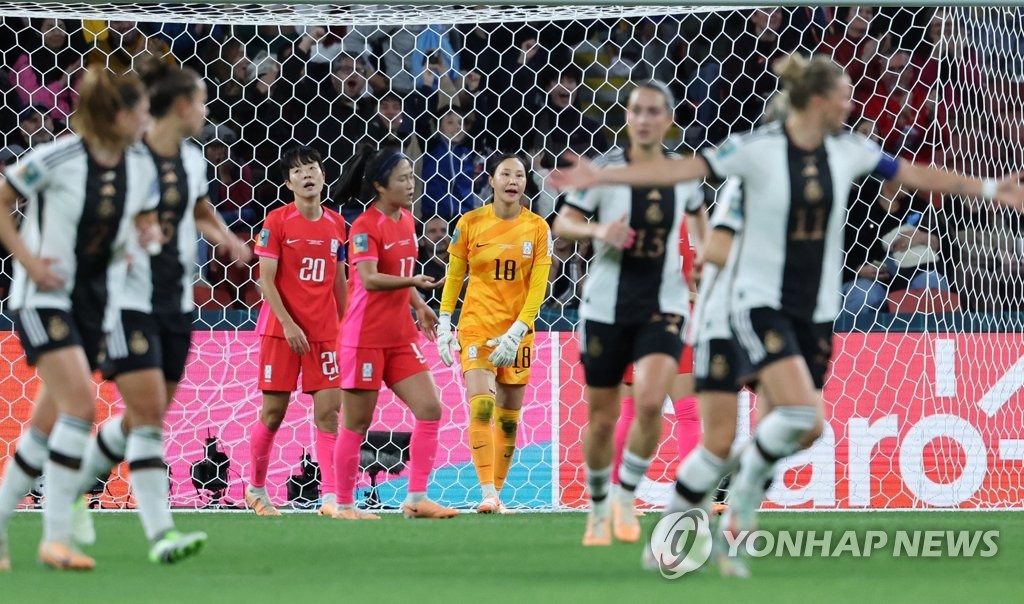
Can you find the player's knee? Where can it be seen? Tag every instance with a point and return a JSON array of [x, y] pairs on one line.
[[272, 418], [813, 433], [648, 411], [481, 409], [326, 421], [429, 412], [359, 425], [602, 424], [719, 441]]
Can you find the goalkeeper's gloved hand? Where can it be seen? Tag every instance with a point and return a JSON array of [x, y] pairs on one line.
[[506, 347], [446, 341]]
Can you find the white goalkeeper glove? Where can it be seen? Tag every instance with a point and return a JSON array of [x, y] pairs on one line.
[[446, 341], [506, 347]]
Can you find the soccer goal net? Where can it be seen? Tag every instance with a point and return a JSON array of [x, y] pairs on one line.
[[923, 404]]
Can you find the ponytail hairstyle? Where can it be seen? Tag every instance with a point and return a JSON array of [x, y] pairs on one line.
[[368, 167], [803, 78], [165, 83], [102, 94]]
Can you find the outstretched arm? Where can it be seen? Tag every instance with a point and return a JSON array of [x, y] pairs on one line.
[[1006, 191], [660, 173]]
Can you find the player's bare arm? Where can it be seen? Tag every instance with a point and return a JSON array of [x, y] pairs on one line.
[[292, 332]]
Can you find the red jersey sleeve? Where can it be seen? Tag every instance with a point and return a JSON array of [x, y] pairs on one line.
[[364, 243], [686, 251], [268, 244]]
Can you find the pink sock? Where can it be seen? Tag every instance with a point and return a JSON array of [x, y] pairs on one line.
[[687, 425], [260, 442], [325, 445], [346, 464], [422, 451], [626, 416]]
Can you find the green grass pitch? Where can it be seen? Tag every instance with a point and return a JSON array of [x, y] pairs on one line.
[[522, 558]]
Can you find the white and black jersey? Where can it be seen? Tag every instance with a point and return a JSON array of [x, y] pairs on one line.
[[162, 284], [80, 214], [791, 255], [629, 286], [711, 311]]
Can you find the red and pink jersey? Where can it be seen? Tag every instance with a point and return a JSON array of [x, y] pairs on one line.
[[686, 251], [380, 319], [308, 253]]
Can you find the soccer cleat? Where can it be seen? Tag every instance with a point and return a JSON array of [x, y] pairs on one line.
[[353, 514], [490, 505], [5, 556], [82, 530], [61, 556], [718, 508], [175, 547], [625, 526], [599, 531], [426, 508], [260, 503], [735, 566]]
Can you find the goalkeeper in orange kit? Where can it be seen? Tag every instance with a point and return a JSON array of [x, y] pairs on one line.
[[506, 250]]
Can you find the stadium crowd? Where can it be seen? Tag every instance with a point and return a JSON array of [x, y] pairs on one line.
[[925, 88]]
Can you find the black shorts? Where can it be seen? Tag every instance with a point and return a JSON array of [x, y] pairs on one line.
[[43, 330], [720, 366], [606, 350], [143, 341], [767, 335]]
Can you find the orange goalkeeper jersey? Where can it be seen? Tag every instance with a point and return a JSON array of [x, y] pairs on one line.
[[501, 255]]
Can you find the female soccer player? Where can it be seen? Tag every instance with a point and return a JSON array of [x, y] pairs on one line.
[[302, 273], [97, 188], [785, 291], [149, 341], [506, 250], [378, 336], [635, 303]]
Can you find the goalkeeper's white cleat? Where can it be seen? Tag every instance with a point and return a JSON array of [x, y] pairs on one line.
[[490, 505], [175, 547], [83, 532]]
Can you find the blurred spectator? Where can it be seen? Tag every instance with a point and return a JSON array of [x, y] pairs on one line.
[[897, 105], [226, 79], [196, 44], [231, 184], [434, 44], [322, 46], [851, 45], [893, 244], [259, 116], [646, 46], [47, 73], [329, 114], [390, 127], [611, 64], [748, 71], [568, 270], [807, 27], [388, 49], [479, 105], [433, 257], [448, 171], [558, 127], [989, 259], [36, 126], [121, 42]]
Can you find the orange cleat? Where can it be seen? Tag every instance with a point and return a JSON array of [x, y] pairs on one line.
[[353, 514], [61, 556], [426, 508], [5, 557], [719, 508], [599, 531], [260, 504], [624, 523]]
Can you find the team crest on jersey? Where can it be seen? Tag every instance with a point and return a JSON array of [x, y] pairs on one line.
[[361, 242], [527, 249], [268, 370], [171, 197], [455, 236], [58, 329], [594, 348], [773, 342], [654, 213], [367, 372], [472, 352], [264, 238], [138, 343], [106, 208], [29, 173], [334, 246]]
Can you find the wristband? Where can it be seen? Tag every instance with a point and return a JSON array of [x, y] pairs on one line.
[[989, 188]]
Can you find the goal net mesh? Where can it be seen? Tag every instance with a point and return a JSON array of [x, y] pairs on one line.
[[923, 402]]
